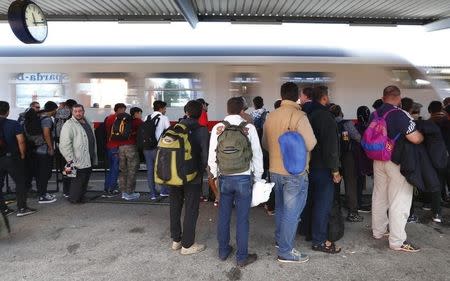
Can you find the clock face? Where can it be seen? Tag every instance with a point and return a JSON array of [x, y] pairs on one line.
[[36, 22]]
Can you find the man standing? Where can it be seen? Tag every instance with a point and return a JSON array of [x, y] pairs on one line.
[[77, 145], [12, 142], [112, 148], [291, 191], [391, 190], [44, 153], [203, 120], [324, 169], [235, 177], [305, 99], [160, 123], [189, 194]]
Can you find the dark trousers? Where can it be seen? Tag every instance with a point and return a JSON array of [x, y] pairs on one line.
[[444, 191], [3, 176], [15, 168], [188, 194], [44, 164], [60, 163], [30, 169], [361, 185], [78, 185], [322, 188], [350, 181]]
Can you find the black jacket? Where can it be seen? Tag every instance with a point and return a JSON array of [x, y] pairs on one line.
[[326, 153], [200, 146], [416, 160]]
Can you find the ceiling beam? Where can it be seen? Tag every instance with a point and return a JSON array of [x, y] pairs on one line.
[[188, 11], [438, 25]]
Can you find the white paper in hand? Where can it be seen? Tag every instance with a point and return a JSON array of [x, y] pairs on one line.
[[261, 192]]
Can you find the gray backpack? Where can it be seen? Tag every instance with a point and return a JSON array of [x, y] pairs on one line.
[[234, 150]]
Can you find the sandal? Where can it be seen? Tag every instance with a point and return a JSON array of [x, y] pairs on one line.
[[329, 249]]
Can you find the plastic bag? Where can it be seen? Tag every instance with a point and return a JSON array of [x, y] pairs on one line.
[[261, 192]]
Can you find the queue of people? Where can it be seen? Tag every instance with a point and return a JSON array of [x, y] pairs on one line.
[[241, 150]]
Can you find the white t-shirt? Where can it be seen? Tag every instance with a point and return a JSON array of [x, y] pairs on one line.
[[162, 125]]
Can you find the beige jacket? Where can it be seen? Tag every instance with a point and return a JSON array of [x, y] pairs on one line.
[[276, 124]]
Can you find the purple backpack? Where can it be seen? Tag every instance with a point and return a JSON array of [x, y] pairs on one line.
[[375, 141]]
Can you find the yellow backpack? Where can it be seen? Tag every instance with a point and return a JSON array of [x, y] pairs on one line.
[[174, 163]]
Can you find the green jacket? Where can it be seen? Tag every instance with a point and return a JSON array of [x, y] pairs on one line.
[[74, 146]]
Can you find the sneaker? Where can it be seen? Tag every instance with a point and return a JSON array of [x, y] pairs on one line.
[[276, 245], [114, 192], [413, 219], [8, 211], [407, 247], [67, 195], [295, 257], [194, 249], [251, 258], [426, 207], [354, 217], [176, 245], [437, 218], [365, 209], [25, 212], [131, 196], [164, 195], [270, 213], [47, 198]]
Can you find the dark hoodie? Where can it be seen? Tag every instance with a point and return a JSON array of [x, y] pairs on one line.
[[200, 146]]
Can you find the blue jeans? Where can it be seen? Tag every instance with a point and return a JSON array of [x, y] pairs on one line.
[[113, 173], [237, 189], [290, 198], [322, 189], [150, 157]]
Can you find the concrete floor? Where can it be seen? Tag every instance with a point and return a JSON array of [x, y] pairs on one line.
[[131, 242]]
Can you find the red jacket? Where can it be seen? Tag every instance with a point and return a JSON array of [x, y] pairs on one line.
[[114, 143], [203, 120]]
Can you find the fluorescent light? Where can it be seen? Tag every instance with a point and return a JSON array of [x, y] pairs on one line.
[[422, 82]]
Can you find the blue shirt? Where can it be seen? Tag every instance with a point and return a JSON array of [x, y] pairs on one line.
[[11, 129], [399, 122]]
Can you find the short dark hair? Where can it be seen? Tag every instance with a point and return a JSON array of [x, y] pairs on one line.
[[307, 91], [77, 105], [33, 103], [376, 104], [319, 92], [407, 104], [4, 107], [158, 104], [392, 91], [277, 104], [336, 110], [289, 91], [118, 106], [134, 110], [435, 106], [446, 101], [258, 102], [70, 103], [447, 109], [235, 105], [194, 109]]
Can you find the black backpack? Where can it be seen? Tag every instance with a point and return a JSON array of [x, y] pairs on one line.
[[3, 148], [33, 128], [146, 136], [336, 224], [121, 128], [101, 137]]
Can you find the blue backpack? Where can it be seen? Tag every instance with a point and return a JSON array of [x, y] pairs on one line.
[[293, 151]]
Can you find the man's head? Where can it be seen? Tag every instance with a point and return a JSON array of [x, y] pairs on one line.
[[120, 108], [235, 106], [415, 110], [376, 104], [407, 104], [204, 104], [70, 103], [193, 109], [50, 108], [258, 102], [392, 95], [159, 105], [446, 101], [320, 95], [336, 110], [277, 104], [136, 113], [447, 109], [289, 91], [435, 107], [35, 106], [306, 95], [4, 109], [78, 111]]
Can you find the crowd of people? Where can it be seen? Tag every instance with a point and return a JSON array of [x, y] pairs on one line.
[[239, 151]]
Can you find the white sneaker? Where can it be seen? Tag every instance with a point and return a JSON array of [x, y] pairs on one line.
[[194, 249], [176, 246]]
